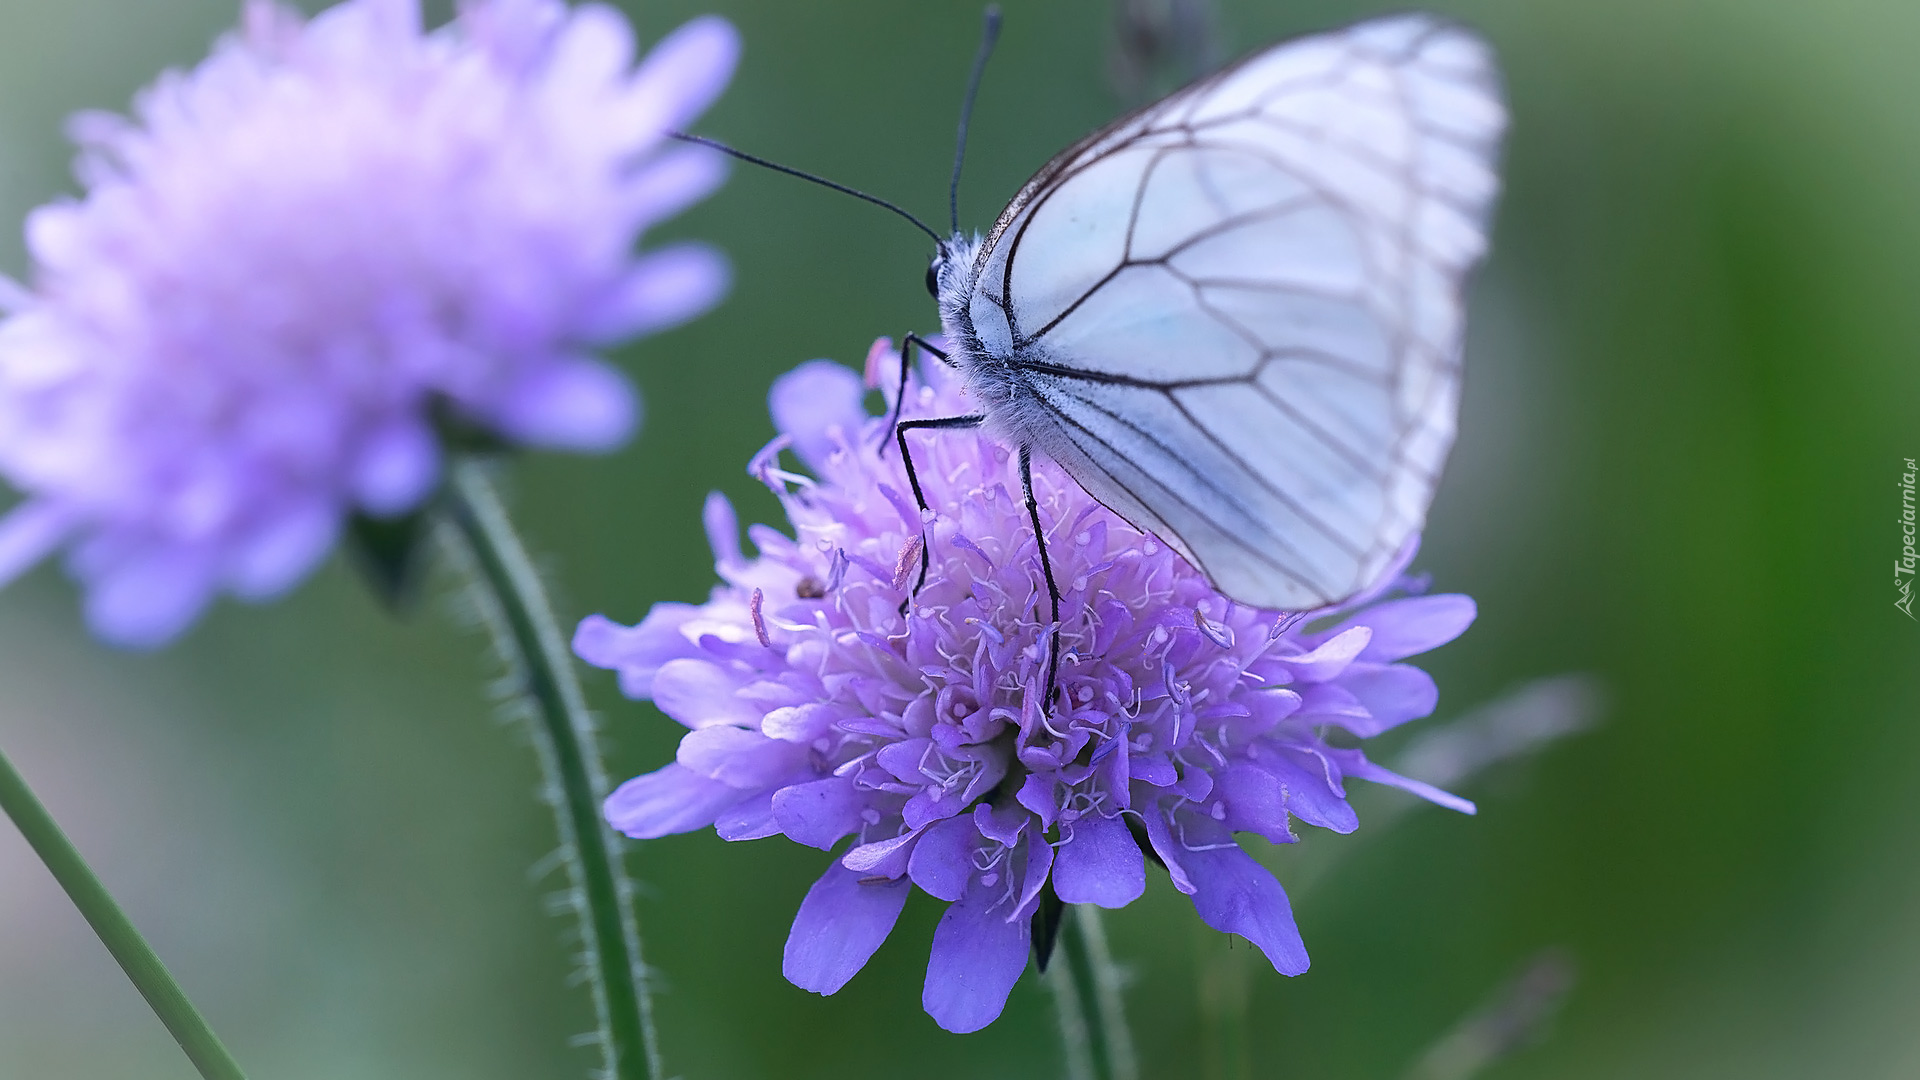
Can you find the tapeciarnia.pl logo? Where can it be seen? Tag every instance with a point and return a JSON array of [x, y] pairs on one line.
[[1904, 565]]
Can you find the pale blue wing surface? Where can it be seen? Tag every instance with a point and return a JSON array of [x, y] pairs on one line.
[[1235, 317]]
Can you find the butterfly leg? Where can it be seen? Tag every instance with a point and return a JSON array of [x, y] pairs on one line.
[[1046, 568], [900, 429], [907, 342]]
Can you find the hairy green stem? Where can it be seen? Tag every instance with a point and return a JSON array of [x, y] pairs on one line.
[[1108, 986], [115, 930], [1225, 988], [1087, 988], [515, 606], [1071, 1004]]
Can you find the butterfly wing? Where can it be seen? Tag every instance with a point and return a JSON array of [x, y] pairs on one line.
[[1235, 316]]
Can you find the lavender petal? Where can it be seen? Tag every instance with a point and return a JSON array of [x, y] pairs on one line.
[[977, 957], [840, 924], [1100, 864], [669, 800]]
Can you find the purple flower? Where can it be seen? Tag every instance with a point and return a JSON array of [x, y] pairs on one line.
[[292, 257], [818, 711]]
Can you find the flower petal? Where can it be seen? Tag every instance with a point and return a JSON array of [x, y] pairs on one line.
[[1036, 867], [977, 957], [738, 757], [751, 819], [636, 652], [1414, 624], [1256, 802], [942, 862], [1354, 763], [1310, 793], [698, 693], [28, 533], [670, 800], [1266, 708], [723, 532], [812, 401], [666, 287], [1037, 794], [885, 858], [681, 76], [671, 182], [578, 404], [396, 468], [1392, 695], [147, 601], [818, 813], [593, 48], [799, 723], [1100, 863], [1330, 657], [1234, 894], [839, 925], [1171, 853], [275, 559], [1003, 824]]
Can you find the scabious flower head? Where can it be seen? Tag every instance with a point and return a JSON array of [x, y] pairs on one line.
[[819, 711], [291, 258]]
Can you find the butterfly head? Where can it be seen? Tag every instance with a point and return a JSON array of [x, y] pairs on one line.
[[950, 278], [947, 271]]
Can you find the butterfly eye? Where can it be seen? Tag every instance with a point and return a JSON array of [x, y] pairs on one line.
[[933, 280]]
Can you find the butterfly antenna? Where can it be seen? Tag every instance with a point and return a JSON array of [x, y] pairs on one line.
[[821, 180], [989, 35]]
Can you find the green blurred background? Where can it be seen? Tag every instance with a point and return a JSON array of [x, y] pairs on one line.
[[1692, 380]]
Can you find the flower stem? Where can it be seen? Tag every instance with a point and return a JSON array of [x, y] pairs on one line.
[[115, 930], [1225, 978], [1087, 988], [515, 606], [1076, 1042], [1108, 985]]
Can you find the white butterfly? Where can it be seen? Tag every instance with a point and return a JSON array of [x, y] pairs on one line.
[[1234, 316]]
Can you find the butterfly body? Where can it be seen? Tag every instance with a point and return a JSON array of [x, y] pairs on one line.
[[1234, 316]]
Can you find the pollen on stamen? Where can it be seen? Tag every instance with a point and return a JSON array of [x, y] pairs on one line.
[[1286, 621], [1218, 633], [909, 558], [759, 622], [880, 356]]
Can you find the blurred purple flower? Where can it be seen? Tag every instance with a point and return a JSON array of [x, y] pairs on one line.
[[290, 254], [816, 710]]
